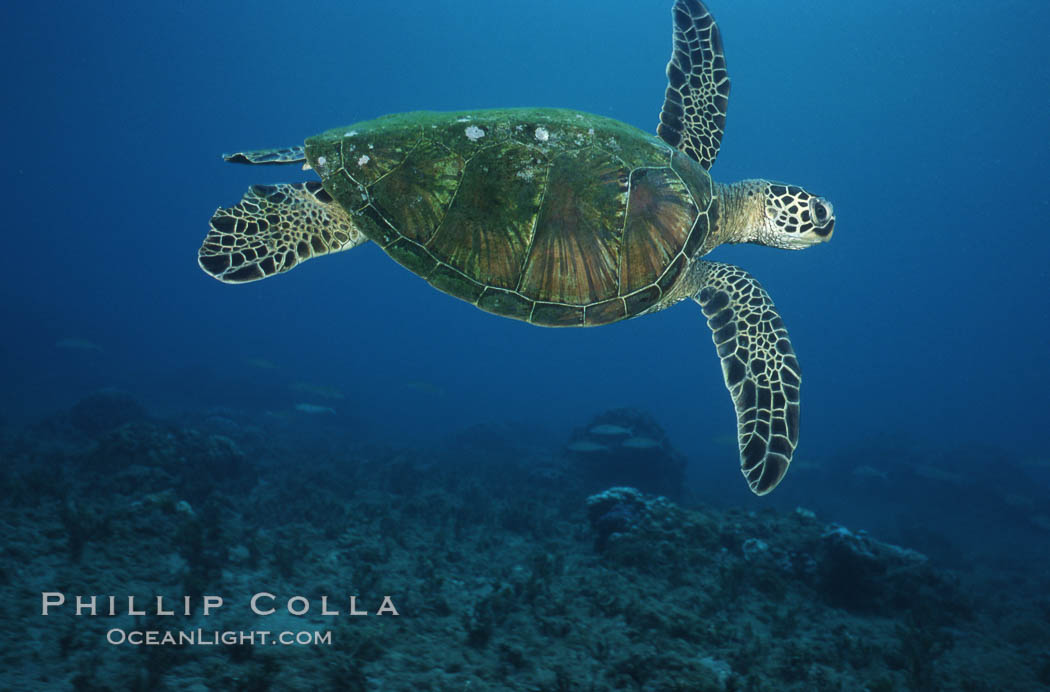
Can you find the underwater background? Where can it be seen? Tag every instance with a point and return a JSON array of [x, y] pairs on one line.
[[922, 331]]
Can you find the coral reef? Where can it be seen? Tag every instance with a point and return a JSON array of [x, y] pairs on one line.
[[503, 576], [105, 410], [626, 447]]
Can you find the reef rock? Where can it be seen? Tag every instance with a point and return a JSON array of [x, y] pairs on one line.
[[104, 410], [625, 447]]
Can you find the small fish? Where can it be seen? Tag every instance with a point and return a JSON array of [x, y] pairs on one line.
[[610, 430], [641, 443], [75, 343], [935, 474], [1018, 501], [725, 440], [424, 387], [1040, 520], [260, 363], [585, 447], [317, 390], [315, 410], [870, 472]]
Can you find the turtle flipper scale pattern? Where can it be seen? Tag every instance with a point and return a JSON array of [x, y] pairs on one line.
[[281, 156], [272, 229], [693, 118], [760, 369]]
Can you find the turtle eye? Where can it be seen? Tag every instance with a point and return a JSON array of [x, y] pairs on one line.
[[821, 211]]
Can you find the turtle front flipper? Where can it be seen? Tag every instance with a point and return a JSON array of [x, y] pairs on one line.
[[760, 369], [274, 228], [281, 156], [693, 118]]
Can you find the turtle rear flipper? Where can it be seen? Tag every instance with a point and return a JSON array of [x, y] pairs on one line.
[[759, 366], [281, 156], [272, 229], [693, 118]]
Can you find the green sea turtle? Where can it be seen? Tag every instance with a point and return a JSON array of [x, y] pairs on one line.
[[558, 218]]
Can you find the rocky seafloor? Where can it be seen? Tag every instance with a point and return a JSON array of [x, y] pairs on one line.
[[510, 567]]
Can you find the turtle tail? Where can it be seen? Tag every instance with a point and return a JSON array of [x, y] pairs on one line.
[[272, 229]]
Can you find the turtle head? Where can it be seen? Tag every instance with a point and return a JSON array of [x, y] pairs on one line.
[[794, 218]]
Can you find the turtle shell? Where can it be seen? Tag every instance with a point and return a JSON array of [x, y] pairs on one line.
[[554, 217]]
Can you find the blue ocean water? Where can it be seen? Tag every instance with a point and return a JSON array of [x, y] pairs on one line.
[[922, 327], [925, 125]]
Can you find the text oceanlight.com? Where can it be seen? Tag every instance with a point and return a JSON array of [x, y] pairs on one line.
[[119, 636], [202, 637]]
